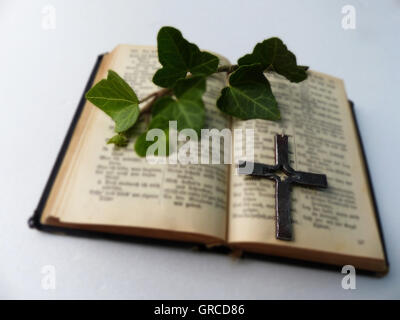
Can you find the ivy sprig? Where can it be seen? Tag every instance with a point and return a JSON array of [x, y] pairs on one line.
[[182, 78], [179, 57]]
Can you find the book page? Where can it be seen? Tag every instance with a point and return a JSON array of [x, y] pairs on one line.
[[105, 185], [322, 139]]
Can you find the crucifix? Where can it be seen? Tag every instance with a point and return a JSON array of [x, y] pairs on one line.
[[283, 224]]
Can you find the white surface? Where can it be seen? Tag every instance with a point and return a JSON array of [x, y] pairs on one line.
[[42, 77]]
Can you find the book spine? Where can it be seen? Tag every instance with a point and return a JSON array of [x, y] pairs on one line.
[[34, 220], [377, 216]]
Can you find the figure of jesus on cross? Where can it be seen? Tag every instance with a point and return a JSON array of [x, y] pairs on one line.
[[283, 186]]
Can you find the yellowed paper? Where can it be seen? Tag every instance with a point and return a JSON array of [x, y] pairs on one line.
[[113, 186], [322, 139]]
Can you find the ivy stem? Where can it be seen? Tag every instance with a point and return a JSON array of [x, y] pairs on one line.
[[152, 97], [228, 68], [156, 94], [147, 107]]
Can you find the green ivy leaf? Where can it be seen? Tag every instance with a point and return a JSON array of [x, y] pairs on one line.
[[142, 144], [117, 99], [249, 95], [119, 140], [273, 55], [203, 63], [187, 109], [178, 57]]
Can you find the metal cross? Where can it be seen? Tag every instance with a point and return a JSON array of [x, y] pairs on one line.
[[283, 186]]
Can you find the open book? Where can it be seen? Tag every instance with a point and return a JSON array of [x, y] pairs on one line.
[[100, 188]]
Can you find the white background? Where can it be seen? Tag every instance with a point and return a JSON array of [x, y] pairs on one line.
[[43, 73]]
